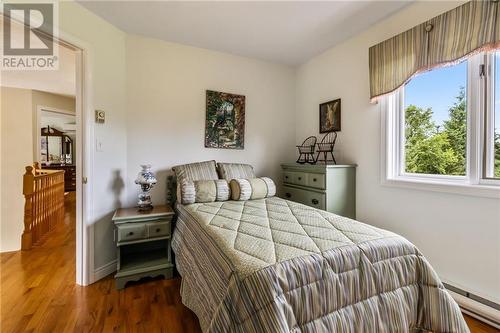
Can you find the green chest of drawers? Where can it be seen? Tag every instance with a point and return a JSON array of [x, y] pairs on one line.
[[143, 244], [328, 187]]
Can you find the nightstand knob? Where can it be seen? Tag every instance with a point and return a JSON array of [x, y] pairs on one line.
[[286, 177], [158, 229], [300, 178], [315, 201], [314, 179], [288, 195], [130, 233]]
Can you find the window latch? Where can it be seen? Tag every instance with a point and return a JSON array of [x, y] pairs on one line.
[[482, 70]]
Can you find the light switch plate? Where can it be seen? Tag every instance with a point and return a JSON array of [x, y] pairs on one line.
[[100, 116], [99, 145]]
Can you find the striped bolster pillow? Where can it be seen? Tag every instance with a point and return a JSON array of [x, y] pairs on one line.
[[204, 191], [252, 188]]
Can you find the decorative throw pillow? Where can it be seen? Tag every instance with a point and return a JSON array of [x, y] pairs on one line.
[[230, 171], [252, 188], [194, 171], [204, 191]]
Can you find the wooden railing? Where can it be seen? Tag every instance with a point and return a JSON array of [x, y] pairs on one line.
[[44, 203]]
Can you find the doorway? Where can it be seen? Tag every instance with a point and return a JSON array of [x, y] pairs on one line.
[[62, 144]]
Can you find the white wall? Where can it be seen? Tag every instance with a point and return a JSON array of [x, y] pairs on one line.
[[460, 235], [16, 153], [166, 85], [106, 46]]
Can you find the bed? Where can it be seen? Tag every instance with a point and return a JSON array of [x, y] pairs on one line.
[[272, 265]]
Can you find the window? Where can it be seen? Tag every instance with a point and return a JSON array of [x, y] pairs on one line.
[[492, 118], [435, 122], [443, 128], [493, 148]]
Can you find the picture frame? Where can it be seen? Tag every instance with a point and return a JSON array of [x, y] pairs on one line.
[[330, 116], [225, 120]]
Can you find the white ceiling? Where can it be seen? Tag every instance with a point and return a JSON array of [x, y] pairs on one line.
[[61, 81], [280, 31]]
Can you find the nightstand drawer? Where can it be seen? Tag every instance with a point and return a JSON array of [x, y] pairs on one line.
[[158, 229], [127, 232]]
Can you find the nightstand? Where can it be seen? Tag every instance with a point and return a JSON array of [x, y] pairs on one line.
[[143, 243]]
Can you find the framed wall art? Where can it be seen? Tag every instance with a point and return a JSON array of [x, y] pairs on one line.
[[225, 120], [329, 116]]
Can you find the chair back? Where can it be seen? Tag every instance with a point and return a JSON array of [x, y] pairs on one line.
[[330, 137], [327, 142], [310, 141]]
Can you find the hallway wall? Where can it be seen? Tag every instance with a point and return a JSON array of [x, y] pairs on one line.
[[16, 153]]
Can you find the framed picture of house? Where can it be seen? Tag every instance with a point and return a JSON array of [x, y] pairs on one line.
[[329, 116], [225, 120]]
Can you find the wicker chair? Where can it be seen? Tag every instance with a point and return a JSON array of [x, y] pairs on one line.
[[326, 146], [306, 150]]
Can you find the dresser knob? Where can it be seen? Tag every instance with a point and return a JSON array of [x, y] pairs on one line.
[[286, 177], [300, 178], [315, 201], [288, 195], [130, 233], [314, 179], [158, 229]]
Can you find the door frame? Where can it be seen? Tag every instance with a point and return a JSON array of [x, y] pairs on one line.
[[84, 157]]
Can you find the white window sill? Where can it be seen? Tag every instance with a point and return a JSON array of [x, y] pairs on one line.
[[462, 188]]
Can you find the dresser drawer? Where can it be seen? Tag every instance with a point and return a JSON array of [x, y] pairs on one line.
[[158, 229], [315, 199], [297, 178], [316, 180], [130, 231], [288, 176], [309, 198], [294, 194]]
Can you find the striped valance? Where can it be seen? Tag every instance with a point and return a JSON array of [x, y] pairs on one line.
[[472, 27]]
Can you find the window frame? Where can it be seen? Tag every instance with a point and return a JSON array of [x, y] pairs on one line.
[[479, 130], [488, 133]]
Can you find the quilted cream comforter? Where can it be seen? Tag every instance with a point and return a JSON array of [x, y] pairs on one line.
[[273, 265]]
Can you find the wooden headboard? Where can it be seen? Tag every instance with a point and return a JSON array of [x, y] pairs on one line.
[[171, 190]]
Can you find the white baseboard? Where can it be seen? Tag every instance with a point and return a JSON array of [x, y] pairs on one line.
[[477, 310], [103, 271]]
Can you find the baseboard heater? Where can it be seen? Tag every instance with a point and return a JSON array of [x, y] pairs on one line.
[[476, 306]]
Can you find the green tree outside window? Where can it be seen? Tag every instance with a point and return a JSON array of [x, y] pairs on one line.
[[432, 150]]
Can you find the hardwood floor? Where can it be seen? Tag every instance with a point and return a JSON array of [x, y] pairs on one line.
[[38, 294]]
